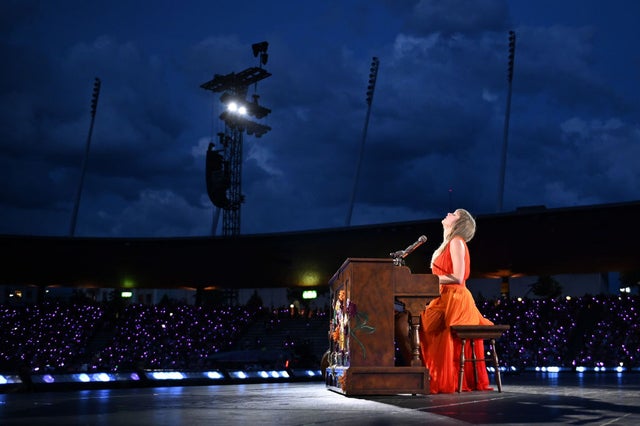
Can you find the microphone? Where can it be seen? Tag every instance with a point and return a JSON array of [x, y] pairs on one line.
[[406, 252]]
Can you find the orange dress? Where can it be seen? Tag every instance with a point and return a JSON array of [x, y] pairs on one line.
[[440, 350]]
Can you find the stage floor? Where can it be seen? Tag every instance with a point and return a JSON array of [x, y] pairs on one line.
[[527, 399]]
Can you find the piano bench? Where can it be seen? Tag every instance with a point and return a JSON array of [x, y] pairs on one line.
[[479, 332]]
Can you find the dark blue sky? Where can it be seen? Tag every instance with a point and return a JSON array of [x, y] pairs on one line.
[[436, 121]]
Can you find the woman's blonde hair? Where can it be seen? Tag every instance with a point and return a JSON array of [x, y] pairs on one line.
[[464, 227]]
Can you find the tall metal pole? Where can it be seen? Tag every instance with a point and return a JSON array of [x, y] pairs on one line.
[[231, 215], [370, 89], [503, 166], [94, 105]]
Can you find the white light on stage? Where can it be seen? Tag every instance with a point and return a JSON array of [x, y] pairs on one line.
[[9, 379], [167, 375], [581, 369], [100, 377], [214, 375], [84, 378], [239, 374], [263, 374], [306, 373]]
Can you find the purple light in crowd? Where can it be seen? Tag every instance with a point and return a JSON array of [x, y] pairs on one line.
[[52, 336]]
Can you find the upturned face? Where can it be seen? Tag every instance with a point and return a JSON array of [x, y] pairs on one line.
[[450, 220]]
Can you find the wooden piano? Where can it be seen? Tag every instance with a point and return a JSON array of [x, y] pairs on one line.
[[373, 301]]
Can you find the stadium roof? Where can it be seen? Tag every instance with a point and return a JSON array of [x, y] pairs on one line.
[[529, 241]]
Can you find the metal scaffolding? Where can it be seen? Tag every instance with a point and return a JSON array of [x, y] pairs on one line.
[[224, 166]]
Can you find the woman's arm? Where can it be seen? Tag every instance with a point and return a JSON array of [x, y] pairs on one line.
[[457, 251]]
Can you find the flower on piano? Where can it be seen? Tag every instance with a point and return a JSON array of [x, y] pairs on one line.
[[358, 321], [352, 309]]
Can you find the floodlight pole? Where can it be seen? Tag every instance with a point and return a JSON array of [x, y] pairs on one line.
[[375, 63], [94, 105], [503, 165]]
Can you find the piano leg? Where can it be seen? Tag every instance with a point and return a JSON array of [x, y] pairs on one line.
[[403, 338], [416, 360]]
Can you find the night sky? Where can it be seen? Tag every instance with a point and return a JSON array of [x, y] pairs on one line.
[[434, 137]]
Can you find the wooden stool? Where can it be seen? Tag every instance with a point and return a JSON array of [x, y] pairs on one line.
[[479, 332]]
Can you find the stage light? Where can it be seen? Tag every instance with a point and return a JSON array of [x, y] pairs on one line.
[[166, 375], [236, 85], [239, 374], [101, 377], [10, 379], [215, 375]]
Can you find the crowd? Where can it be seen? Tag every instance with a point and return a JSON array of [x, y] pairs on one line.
[[588, 331]]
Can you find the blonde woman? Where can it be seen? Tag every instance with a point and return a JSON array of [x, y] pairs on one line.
[[455, 306]]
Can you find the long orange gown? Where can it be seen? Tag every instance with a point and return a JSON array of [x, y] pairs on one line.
[[440, 350]]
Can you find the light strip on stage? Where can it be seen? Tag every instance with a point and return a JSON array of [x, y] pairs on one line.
[[84, 378], [166, 375], [10, 379], [263, 374], [184, 375], [214, 375], [306, 373]]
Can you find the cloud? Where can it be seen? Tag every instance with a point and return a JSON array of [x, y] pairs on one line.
[[458, 16], [434, 135]]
